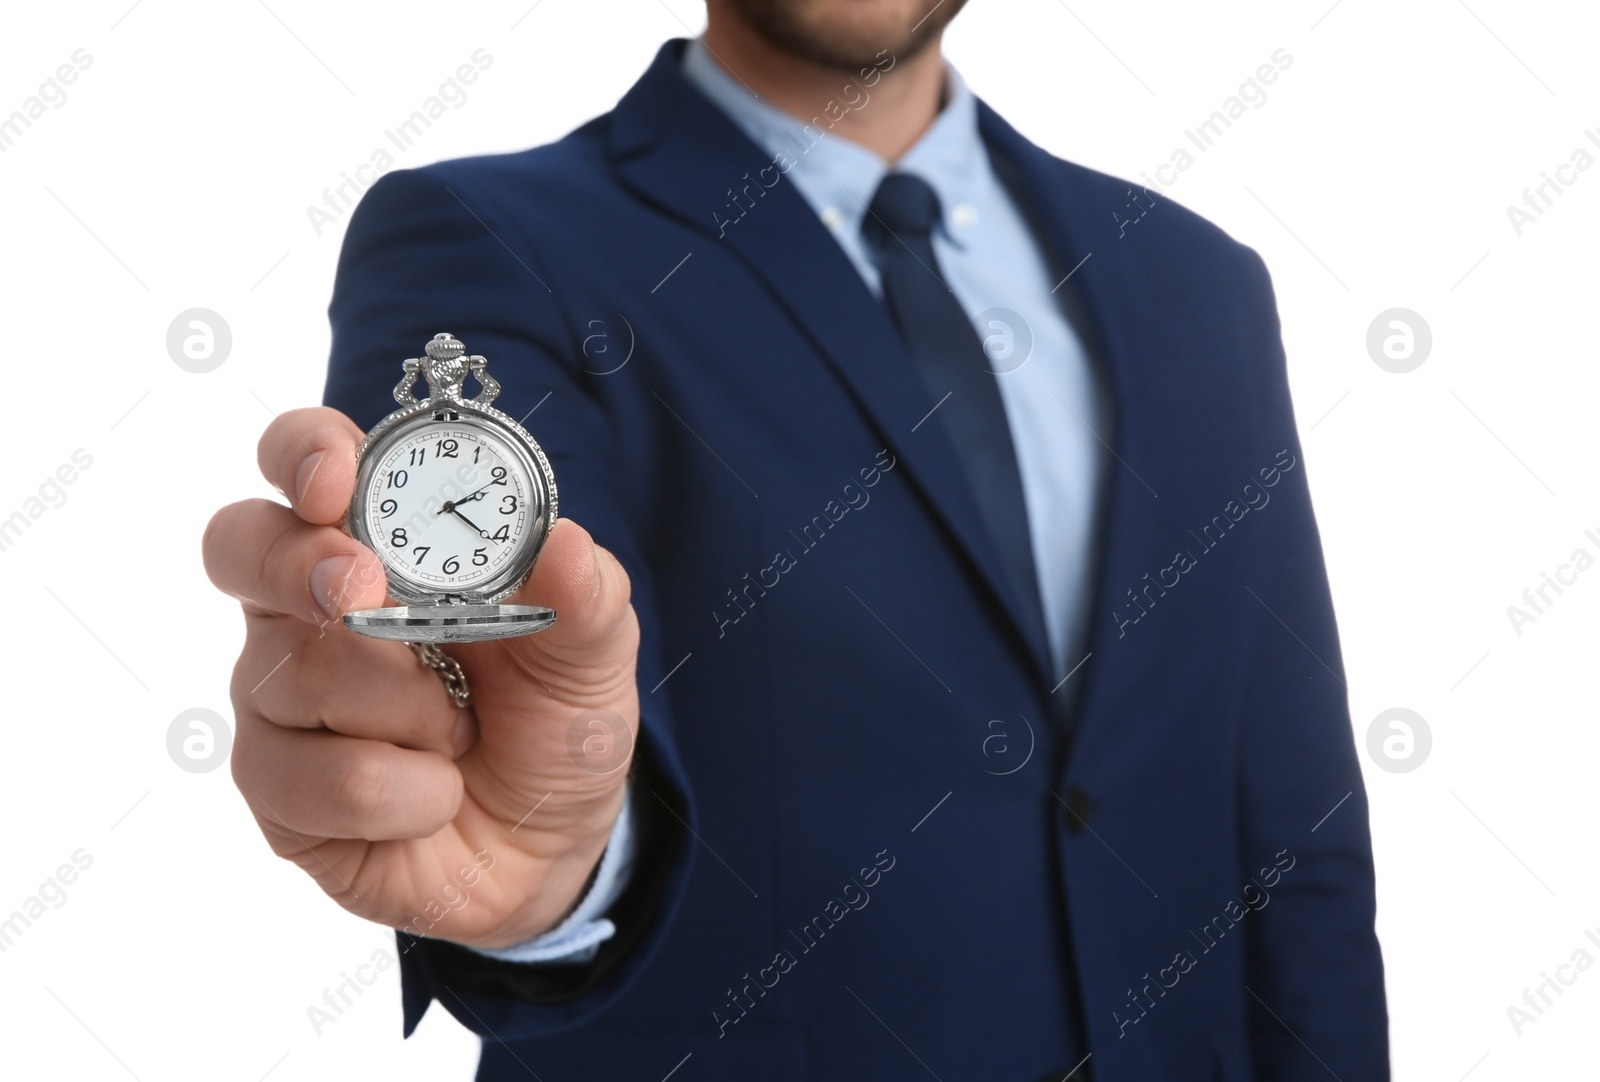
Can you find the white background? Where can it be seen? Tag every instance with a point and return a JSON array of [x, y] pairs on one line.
[[177, 175]]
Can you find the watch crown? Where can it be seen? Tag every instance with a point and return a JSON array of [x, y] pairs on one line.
[[445, 346], [446, 367]]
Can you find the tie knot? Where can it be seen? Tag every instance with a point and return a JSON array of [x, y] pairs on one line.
[[905, 205]]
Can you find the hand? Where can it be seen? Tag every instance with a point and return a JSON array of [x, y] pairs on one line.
[[479, 825], [451, 508]]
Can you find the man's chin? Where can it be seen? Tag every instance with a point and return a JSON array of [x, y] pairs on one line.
[[845, 41]]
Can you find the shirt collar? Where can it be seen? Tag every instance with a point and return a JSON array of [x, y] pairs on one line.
[[838, 177]]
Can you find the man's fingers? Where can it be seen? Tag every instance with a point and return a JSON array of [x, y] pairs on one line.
[[299, 678], [310, 456], [321, 784], [590, 592], [263, 554]]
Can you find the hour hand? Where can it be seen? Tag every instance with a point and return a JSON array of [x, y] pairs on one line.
[[451, 505]]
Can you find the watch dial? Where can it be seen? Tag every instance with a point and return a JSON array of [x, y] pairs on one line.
[[449, 506]]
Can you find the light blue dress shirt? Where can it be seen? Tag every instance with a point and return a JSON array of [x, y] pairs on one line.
[[994, 265]]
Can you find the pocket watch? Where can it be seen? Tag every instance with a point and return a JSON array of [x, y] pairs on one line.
[[456, 499]]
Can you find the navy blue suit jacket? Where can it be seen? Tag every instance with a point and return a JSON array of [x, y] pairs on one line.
[[872, 838]]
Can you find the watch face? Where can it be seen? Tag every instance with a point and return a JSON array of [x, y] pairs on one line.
[[452, 508]]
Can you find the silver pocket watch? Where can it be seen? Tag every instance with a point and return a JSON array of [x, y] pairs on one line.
[[457, 500]]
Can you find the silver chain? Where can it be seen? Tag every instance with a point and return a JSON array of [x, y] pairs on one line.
[[448, 668]]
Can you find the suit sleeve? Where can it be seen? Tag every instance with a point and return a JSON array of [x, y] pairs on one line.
[[1314, 970], [426, 252]]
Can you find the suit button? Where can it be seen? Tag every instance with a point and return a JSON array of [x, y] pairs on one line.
[[1079, 810]]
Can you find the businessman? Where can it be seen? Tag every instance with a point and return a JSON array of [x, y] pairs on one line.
[[937, 569]]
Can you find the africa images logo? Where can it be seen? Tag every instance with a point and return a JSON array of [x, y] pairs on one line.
[[1210, 536]]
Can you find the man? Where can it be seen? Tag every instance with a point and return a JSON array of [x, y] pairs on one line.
[[946, 568]]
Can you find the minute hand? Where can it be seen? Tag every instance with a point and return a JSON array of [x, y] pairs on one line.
[[481, 531]]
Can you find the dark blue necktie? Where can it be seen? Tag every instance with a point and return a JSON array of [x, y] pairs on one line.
[[948, 352]]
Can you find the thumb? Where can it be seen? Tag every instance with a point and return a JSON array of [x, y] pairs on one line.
[[589, 591], [584, 661]]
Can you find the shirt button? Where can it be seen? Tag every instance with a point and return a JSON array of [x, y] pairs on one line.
[[833, 218], [963, 215]]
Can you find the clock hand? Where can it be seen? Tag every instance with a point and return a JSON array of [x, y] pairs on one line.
[[450, 505], [481, 531]]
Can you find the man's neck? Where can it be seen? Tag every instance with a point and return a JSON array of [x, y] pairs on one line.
[[887, 117]]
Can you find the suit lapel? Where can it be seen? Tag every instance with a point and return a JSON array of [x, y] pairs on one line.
[[1106, 299], [680, 153]]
